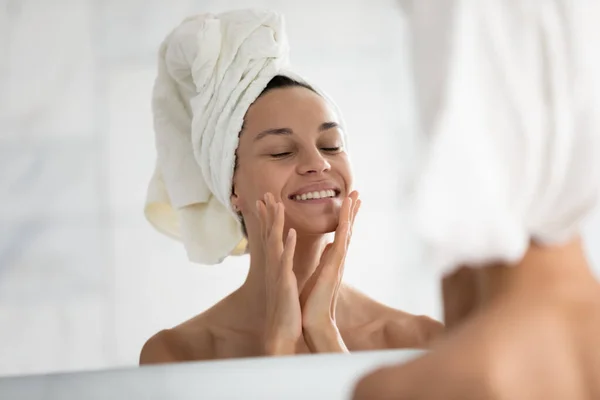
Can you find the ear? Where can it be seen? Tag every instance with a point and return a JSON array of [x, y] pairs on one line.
[[235, 200]]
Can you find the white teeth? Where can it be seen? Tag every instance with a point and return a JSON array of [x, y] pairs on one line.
[[315, 195]]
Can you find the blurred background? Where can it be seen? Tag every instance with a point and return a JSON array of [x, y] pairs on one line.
[[84, 279]]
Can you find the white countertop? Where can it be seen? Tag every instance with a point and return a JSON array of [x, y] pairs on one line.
[[328, 376]]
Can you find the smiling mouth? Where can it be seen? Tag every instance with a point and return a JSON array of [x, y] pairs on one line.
[[316, 195]]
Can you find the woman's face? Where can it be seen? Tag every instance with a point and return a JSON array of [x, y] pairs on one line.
[[292, 147]]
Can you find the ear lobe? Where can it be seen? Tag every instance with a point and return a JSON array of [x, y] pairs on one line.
[[234, 200]]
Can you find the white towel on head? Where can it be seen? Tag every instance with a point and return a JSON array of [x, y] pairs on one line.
[[509, 99], [211, 69]]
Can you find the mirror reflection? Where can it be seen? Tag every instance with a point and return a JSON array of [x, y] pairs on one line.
[[102, 155]]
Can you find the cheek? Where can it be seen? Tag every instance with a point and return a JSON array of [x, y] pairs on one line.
[[272, 180], [252, 185], [344, 168]]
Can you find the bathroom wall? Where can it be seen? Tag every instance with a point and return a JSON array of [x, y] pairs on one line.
[[84, 279]]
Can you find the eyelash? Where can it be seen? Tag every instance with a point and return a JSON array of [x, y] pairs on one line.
[[327, 149], [280, 155]]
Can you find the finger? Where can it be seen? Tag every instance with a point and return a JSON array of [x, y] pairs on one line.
[[356, 208], [262, 217], [287, 257], [355, 204], [278, 219], [341, 233], [333, 303], [354, 197], [330, 266], [313, 278], [337, 283], [351, 224], [333, 255], [269, 220], [312, 281], [341, 241], [276, 236], [344, 216], [324, 258]]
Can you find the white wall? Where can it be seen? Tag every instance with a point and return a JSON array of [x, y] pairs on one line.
[[84, 280]]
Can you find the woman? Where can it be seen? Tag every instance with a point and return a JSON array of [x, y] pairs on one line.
[[514, 92], [272, 155]]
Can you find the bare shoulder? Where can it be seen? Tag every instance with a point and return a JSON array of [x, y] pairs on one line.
[[189, 341], [397, 328], [405, 330]]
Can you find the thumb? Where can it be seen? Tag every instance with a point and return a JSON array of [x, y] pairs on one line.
[[311, 282], [326, 254], [328, 264]]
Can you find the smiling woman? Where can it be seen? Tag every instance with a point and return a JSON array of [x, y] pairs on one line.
[[292, 141], [287, 186]]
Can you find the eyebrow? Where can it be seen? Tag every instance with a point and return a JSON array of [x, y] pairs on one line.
[[287, 131]]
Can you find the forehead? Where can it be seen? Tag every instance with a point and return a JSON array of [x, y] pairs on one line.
[[288, 107]]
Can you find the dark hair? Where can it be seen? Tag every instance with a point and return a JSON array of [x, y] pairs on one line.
[[278, 82]]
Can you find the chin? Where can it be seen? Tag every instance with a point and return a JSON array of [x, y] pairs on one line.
[[316, 225]]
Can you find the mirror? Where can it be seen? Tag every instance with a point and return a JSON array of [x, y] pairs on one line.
[[84, 279]]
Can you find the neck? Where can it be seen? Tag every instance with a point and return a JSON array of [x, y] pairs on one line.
[[306, 258], [549, 272]]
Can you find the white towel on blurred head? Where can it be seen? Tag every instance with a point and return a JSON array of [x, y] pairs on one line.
[[510, 112]]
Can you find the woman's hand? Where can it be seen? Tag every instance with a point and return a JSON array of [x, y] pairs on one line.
[[319, 296], [283, 314]]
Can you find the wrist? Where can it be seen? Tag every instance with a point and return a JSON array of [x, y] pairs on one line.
[[324, 338], [279, 347]]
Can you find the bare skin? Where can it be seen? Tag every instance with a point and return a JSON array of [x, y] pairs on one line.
[[226, 331], [531, 332], [293, 300]]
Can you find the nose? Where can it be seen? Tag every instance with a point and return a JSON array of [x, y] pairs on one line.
[[313, 162]]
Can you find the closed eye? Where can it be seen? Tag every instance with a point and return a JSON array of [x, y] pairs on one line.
[[281, 155], [331, 149]]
